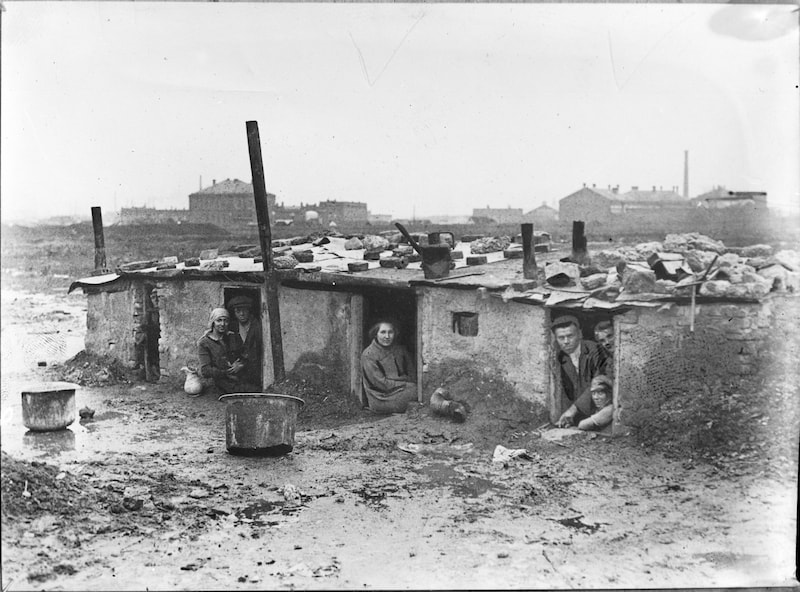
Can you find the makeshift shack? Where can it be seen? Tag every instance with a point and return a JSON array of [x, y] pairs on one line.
[[674, 324]]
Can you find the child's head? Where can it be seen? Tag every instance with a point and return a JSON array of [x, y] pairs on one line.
[[601, 389]]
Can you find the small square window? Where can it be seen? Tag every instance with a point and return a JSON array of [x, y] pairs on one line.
[[465, 323]]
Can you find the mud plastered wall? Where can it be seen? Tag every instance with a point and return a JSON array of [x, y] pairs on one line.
[[183, 314], [109, 324], [512, 340], [316, 335], [661, 360]]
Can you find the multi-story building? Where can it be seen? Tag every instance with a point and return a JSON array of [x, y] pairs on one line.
[[228, 204]]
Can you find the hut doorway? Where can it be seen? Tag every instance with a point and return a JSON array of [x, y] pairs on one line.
[[152, 333], [588, 320], [397, 305], [254, 295]]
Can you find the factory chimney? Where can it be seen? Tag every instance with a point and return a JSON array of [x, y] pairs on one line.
[[686, 174]]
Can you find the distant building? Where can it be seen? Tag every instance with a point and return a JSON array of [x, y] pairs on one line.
[[654, 199], [543, 215], [589, 204], [341, 212], [379, 218], [229, 204], [720, 198], [596, 205], [496, 215], [145, 215]]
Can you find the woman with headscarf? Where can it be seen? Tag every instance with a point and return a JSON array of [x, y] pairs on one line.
[[219, 355], [388, 371]]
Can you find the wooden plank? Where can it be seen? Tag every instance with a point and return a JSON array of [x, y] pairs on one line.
[[265, 238]]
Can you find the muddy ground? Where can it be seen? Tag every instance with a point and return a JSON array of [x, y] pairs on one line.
[[145, 495]]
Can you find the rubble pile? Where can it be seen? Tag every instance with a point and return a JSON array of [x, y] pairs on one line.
[[490, 244], [676, 266], [92, 370]]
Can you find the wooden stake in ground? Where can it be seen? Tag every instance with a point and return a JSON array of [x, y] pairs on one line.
[[99, 240], [528, 253], [265, 237]]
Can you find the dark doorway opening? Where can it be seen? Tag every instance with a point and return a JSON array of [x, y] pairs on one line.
[[254, 294], [152, 332], [587, 319], [397, 305]]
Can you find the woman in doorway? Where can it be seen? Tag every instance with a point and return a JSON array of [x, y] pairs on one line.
[[220, 357], [388, 371]]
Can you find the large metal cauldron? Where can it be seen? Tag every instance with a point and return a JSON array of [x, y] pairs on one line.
[[48, 406], [260, 424]]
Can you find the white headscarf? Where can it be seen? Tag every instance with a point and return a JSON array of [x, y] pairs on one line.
[[215, 315]]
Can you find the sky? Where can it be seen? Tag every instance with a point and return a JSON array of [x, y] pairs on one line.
[[416, 109]]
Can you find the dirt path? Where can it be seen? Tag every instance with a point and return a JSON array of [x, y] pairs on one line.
[[146, 496]]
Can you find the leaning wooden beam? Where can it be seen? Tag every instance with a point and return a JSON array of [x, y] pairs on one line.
[[265, 237]]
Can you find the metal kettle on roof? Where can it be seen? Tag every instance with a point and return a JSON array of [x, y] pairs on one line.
[[435, 257]]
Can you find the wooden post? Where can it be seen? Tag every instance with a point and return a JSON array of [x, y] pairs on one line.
[[528, 252], [265, 238], [578, 242], [99, 240]]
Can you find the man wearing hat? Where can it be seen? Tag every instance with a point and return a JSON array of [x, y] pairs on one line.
[[247, 335], [579, 360]]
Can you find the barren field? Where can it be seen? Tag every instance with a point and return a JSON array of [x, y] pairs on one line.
[[144, 495]]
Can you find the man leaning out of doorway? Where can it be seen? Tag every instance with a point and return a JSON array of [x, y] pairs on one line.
[[579, 360]]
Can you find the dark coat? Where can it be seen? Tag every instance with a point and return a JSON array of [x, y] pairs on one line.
[[386, 370], [250, 351], [593, 362]]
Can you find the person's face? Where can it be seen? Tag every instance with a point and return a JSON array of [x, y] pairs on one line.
[[606, 339], [242, 314], [385, 334], [600, 398], [568, 338], [221, 325]]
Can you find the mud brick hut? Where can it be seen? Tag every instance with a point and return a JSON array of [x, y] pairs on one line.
[[485, 316]]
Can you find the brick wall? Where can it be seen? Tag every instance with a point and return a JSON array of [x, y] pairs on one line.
[[662, 364]]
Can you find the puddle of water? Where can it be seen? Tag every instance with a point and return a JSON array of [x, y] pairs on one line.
[[77, 437], [441, 474]]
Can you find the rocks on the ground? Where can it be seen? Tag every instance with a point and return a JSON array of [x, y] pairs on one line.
[[639, 281], [284, 262], [776, 273], [353, 244], [646, 250], [789, 258], [561, 273], [609, 257], [373, 242], [86, 413], [489, 245], [594, 281], [680, 243], [699, 260], [757, 251]]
